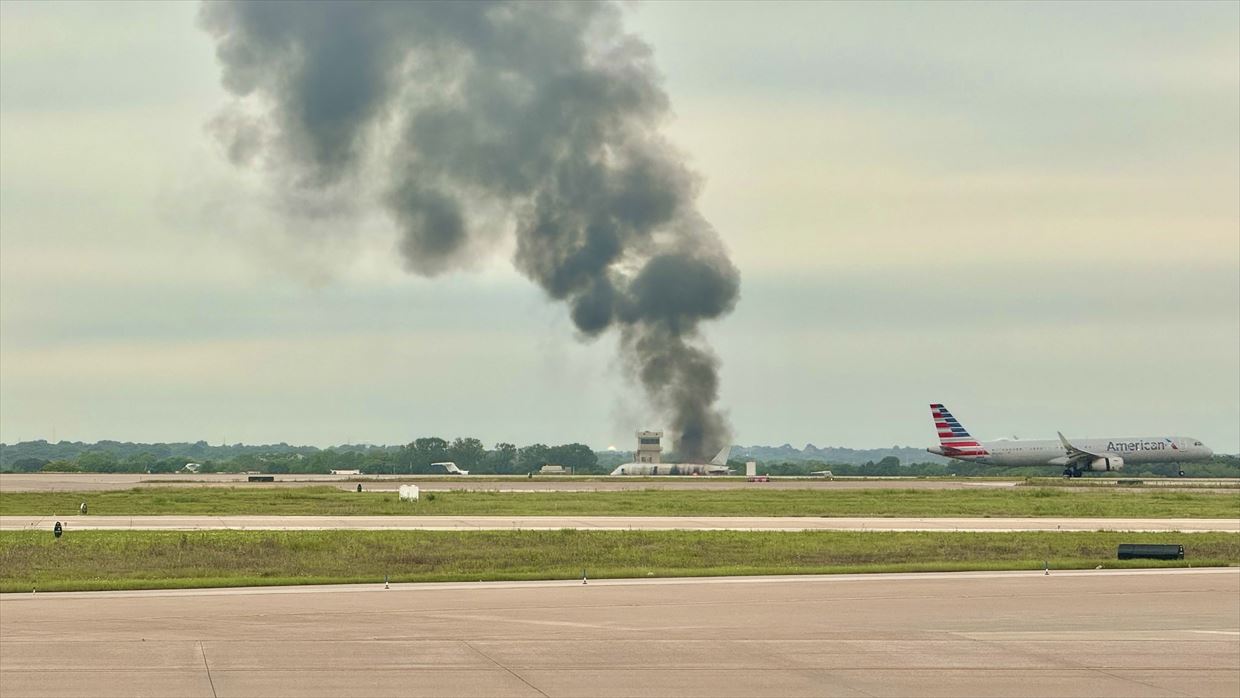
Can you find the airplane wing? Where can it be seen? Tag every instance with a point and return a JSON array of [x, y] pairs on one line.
[[1077, 455]]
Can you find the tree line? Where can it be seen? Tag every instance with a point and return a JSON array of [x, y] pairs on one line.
[[415, 457]]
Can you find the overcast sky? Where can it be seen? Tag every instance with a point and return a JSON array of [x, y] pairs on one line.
[[1029, 212]]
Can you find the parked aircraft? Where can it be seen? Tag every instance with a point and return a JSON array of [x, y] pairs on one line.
[[1075, 456], [450, 468]]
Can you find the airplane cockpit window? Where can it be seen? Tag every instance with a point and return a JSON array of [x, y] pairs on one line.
[[1196, 443]]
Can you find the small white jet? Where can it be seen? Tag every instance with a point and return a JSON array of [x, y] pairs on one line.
[[450, 468], [717, 466], [1074, 456]]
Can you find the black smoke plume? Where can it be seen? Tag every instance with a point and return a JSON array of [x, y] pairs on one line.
[[548, 113]]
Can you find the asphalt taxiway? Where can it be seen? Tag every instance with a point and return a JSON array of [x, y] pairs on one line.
[[1089, 633]]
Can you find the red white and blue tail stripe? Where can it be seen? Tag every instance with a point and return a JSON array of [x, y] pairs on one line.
[[954, 439]]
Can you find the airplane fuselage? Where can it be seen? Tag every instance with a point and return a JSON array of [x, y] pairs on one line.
[[671, 469], [1131, 449]]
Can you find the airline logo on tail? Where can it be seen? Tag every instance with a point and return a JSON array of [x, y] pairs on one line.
[[954, 439]]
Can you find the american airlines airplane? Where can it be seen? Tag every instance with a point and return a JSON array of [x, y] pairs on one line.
[[1074, 456]]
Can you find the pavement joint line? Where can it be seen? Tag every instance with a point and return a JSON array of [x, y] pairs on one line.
[[1139, 682], [519, 677], [1053, 658], [207, 666]]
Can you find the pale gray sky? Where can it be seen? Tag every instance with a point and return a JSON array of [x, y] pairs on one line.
[[1030, 212]]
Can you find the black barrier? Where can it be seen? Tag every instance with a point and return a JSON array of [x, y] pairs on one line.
[[1142, 551], [262, 478]]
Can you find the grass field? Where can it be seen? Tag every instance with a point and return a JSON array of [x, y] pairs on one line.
[[93, 560], [1136, 482], [1083, 502]]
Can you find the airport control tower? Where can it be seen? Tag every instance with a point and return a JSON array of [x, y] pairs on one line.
[[649, 449]]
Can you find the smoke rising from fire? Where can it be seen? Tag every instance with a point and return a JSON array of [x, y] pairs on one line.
[[548, 113]]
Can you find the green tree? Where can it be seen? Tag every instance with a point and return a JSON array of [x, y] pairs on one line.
[[142, 462], [418, 456], [98, 462], [467, 452], [61, 466], [579, 457], [168, 465], [29, 465], [378, 461], [533, 457], [502, 459]]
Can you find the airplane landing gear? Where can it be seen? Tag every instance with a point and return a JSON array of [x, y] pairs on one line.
[[1071, 472]]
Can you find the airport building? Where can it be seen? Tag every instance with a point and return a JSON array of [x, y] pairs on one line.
[[649, 447]]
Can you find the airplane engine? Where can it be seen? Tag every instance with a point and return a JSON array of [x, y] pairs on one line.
[[1107, 463]]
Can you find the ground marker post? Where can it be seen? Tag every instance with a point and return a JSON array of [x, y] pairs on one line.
[[583, 575], [1046, 568], [385, 582]]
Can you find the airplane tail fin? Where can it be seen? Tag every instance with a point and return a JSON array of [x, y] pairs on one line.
[[954, 439], [722, 457]]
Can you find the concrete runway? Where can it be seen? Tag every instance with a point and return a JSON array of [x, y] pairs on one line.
[[1094, 634], [605, 523], [88, 482]]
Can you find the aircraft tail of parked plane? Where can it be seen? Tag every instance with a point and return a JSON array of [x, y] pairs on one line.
[[1074, 456]]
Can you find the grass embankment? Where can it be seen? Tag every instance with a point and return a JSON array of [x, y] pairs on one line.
[[1085, 502], [93, 560]]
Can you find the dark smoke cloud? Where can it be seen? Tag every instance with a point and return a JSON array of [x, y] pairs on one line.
[[548, 112]]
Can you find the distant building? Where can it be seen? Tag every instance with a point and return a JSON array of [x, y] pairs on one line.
[[552, 470], [346, 472]]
